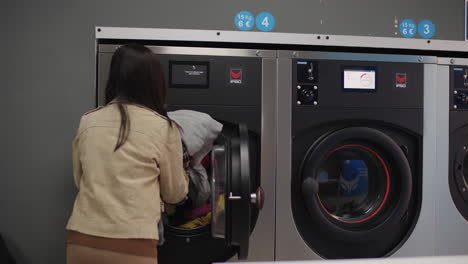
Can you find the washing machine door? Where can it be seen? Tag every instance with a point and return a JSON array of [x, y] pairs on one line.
[[355, 190], [236, 201], [233, 196]]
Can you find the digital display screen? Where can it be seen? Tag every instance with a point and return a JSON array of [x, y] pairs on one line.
[[189, 74], [359, 79]]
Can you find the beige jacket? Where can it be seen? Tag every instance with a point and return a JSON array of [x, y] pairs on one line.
[[120, 192]]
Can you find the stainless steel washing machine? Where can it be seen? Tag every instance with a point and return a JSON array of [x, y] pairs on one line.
[[236, 87], [356, 155], [451, 230]]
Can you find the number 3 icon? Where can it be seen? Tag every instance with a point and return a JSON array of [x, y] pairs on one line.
[[426, 29]]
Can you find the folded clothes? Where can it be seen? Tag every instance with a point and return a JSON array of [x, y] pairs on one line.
[[198, 222], [202, 219], [199, 211]]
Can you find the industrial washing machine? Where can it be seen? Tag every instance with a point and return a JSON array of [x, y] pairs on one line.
[[451, 232], [237, 88], [356, 155]]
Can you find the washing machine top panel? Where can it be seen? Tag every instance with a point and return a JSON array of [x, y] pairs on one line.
[[332, 84], [213, 80], [324, 92], [202, 79]]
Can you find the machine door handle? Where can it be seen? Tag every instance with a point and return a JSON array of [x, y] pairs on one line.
[[234, 197]]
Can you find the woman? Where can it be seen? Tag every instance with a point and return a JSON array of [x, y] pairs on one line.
[[127, 160]]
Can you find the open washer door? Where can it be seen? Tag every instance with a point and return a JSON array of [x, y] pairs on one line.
[[234, 198]]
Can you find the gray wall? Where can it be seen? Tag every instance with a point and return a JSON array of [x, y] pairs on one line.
[[47, 77]]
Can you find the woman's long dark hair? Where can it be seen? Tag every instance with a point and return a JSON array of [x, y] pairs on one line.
[[135, 77]]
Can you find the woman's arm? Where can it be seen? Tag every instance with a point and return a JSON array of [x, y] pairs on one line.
[[77, 170], [173, 181]]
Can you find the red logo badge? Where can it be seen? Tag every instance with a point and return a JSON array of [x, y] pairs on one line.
[[400, 80], [236, 76]]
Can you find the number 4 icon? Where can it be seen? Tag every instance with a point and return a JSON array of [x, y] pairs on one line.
[[265, 21]]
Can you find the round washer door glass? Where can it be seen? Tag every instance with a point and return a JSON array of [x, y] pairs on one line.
[[353, 188], [354, 183]]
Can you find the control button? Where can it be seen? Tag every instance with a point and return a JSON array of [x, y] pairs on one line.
[[306, 95], [462, 98]]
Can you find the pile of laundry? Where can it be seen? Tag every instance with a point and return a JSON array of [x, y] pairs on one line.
[[198, 132]]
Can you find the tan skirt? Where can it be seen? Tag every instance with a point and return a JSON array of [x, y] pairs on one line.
[[77, 254]]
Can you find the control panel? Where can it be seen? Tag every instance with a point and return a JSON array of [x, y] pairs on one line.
[[307, 82], [331, 83], [460, 87]]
